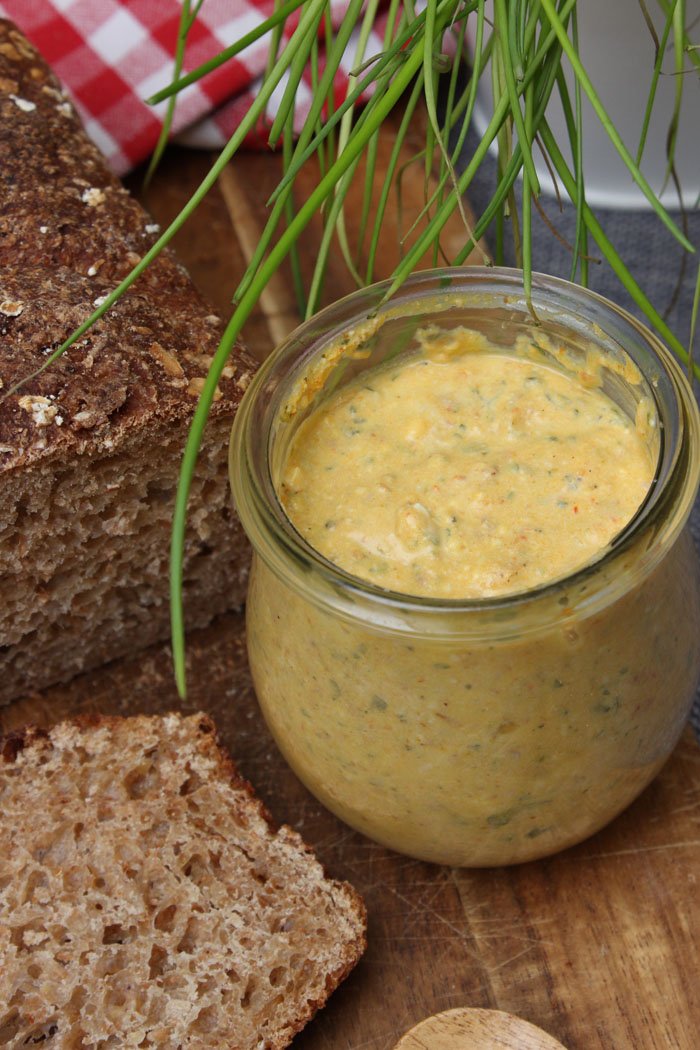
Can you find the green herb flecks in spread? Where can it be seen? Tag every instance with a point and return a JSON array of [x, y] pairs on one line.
[[465, 472]]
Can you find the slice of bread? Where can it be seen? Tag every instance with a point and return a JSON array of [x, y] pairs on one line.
[[146, 900]]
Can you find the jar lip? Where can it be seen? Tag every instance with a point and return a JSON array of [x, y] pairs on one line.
[[417, 287]]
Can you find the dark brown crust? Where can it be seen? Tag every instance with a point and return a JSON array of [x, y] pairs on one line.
[[333, 980], [210, 744], [69, 233]]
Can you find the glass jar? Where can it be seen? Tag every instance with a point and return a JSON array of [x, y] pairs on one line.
[[480, 732]]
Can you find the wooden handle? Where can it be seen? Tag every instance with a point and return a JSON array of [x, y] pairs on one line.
[[466, 1029]]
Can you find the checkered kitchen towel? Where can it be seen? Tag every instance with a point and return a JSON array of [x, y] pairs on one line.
[[113, 54]]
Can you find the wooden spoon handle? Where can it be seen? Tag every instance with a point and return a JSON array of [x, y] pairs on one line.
[[471, 1029]]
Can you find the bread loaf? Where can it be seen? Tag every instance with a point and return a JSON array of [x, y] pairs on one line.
[[146, 901], [90, 450]]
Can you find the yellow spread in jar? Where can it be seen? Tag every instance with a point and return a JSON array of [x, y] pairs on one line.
[[464, 472], [486, 733]]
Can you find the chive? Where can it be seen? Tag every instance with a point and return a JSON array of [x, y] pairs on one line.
[[527, 48]]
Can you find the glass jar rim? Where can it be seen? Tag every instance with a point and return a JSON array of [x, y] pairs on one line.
[[270, 530]]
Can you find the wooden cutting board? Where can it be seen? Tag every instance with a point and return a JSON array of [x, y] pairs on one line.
[[599, 946]]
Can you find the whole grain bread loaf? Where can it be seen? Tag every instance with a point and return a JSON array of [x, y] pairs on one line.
[[145, 899], [90, 450]]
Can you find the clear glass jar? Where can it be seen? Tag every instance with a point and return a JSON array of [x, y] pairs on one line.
[[476, 732]]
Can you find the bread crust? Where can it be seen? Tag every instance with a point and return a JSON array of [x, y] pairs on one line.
[[90, 448], [69, 232], [21, 747]]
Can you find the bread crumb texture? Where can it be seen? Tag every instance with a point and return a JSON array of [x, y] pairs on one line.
[[146, 901], [90, 446]]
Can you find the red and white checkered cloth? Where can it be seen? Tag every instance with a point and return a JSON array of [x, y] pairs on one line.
[[113, 54]]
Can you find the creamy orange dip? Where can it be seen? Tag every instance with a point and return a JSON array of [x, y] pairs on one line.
[[473, 734], [464, 472]]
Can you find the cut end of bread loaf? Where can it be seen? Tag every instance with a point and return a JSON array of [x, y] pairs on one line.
[[90, 448], [146, 900]]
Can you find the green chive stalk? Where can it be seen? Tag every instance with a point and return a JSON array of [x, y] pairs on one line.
[[528, 45]]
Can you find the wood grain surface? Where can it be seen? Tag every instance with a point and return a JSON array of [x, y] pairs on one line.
[[599, 946], [469, 1029]]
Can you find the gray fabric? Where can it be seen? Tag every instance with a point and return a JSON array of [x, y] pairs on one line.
[[649, 250]]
